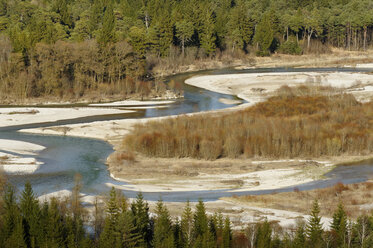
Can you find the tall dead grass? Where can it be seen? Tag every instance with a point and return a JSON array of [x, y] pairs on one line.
[[356, 199], [288, 125]]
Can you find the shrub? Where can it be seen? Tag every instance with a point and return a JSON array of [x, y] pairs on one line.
[[210, 149], [284, 126], [290, 46]]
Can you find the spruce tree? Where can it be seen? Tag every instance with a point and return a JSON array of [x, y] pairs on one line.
[[227, 234], [140, 211], [300, 236], [107, 32], [264, 35], [17, 237], [314, 227], [30, 211], [208, 36], [55, 227], [11, 214], [187, 225], [184, 32], [110, 236], [339, 226], [264, 235], [130, 237], [202, 236], [163, 233]]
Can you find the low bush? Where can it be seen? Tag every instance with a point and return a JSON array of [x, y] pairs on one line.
[[290, 46], [285, 126]]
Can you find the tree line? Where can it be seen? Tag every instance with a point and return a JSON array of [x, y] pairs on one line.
[[156, 25], [105, 45], [27, 222]]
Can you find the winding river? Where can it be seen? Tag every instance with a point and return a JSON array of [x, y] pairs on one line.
[[65, 156]]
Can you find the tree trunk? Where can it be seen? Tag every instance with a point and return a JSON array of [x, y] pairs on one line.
[[287, 33], [146, 20], [349, 37], [365, 37], [309, 35], [183, 47], [308, 42]]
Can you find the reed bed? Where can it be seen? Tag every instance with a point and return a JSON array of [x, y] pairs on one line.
[[296, 123]]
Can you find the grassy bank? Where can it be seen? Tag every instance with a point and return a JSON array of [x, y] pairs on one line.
[[357, 199], [298, 122]]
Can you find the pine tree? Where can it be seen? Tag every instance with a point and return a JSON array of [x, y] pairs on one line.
[[163, 233], [200, 221], [241, 27], [202, 236], [184, 32], [314, 227], [110, 236], [300, 236], [187, 225], [30, 210], [130, 237], [10, 216], [208, 36], [140, 211], [107, 32], [62, 8], [264, 235], [165, 27], [227, 234], [55, 226], [17, 237], [339, 226], [264, 35]]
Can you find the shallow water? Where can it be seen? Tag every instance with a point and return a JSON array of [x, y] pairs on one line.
[[65, 156]]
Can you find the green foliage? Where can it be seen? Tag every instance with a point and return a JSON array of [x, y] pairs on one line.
[[163, 233], [140, 211], [314, 228], [290, 47], [264, 235], [107, 32], [207, 34], [154, 28], [264, 35], [60, 225], [339, 226], [187, 226]]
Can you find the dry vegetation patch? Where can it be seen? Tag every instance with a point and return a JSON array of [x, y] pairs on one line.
[[357, 199], [298, 122]]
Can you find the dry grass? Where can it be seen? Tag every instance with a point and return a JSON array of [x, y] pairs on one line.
[[357, 199], [296, 123], [187, 168]]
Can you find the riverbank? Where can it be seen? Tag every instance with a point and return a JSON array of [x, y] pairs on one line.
[[114, 131], [255, 87], [16, 157], [194, 174], [337, 58], [31, 115], [356, 198]]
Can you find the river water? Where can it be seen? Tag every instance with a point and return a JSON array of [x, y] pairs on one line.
[[65, 156]]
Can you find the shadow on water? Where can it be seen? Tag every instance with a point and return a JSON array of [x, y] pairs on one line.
[[65, 156]]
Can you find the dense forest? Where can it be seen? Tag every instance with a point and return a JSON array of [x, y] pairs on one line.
[[27, 222], [70, 48], [297, 122]]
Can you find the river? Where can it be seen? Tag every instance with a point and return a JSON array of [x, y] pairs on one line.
[[65, 156]]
